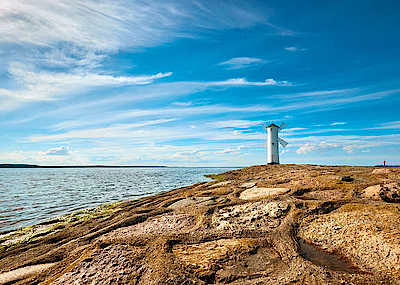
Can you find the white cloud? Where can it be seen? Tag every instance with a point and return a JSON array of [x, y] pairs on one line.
[[242, 62], [388, 125], [112, 25], [235, 124], [42, 85], [244, 82], [310, 147], [184, 104], [230, 150], [338, 123], [62, 150], [293, 49], [348, 148], [160, 112], [77, 36]]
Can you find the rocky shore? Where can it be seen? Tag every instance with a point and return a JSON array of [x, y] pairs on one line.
[[275, 224]]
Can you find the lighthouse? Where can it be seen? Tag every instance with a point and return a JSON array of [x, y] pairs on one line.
[[273, 142]]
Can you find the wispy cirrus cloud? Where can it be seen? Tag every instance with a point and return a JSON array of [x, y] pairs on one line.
[[77, 36], [338, 123], [242, 62], [91, 109], [45, 85], [244, 82], [294, 49], [114, 131], [387, 125], [235, 124], [310, 147], [112, 25], [62, 150]]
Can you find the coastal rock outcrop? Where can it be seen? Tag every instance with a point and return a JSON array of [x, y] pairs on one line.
[[200, 201], [390, 192], [262, 192], [258, 215], [266, 224], [366, 235]]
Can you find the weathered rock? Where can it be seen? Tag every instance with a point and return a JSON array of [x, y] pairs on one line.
[[202, 201], [219, 184], [166, 223], [277, 209], [372, 192], [21, 273], [257, 215], [261, 192], [368, 236], [111, 265], [248, 185], [204, 240], [203, 256], [347, 179], [390, 192], [381, 171]]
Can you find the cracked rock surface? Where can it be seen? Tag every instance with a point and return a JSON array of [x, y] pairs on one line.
[[266, 224]]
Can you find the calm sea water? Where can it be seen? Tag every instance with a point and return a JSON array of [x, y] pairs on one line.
[[30, 196]]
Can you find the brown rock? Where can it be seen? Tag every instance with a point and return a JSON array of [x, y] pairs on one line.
[[191, 201], [381, 171], [372, 192], [390, 192], [261, 192]]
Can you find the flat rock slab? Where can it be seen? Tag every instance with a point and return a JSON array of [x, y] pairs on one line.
[[23, 272], [201, 201], [368, 236], [389, 192], [381, 171], [248, 185], [372, 192], [261, 192], [223, 183], [111, 265], [163, 224], [204, 255], [250, 216]]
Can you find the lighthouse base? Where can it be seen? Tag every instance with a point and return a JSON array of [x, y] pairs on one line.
[[271, 163]]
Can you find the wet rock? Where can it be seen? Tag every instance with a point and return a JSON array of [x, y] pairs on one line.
[[261, 192]]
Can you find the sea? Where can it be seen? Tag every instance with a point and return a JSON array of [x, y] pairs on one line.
[[33, 195]]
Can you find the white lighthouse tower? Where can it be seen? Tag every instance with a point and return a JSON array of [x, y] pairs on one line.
[[273, 142]]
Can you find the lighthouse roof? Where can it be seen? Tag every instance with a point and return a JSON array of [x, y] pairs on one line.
[[273, 125]]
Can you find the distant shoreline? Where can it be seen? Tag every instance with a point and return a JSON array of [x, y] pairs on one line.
[[76, 166]]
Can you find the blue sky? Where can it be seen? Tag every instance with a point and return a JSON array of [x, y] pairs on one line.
[[190, 83]]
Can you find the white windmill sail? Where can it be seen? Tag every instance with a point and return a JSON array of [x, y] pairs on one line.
[[282, 142]]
